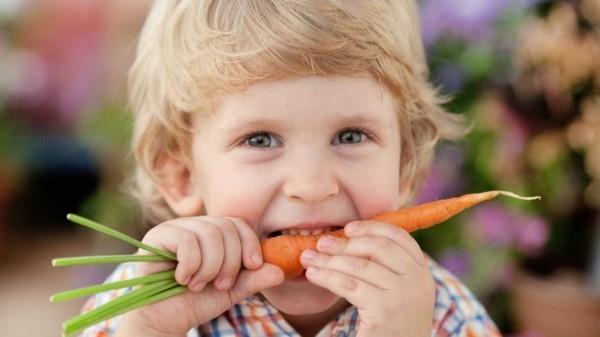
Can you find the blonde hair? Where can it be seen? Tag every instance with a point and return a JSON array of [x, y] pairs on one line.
[[191, 52]]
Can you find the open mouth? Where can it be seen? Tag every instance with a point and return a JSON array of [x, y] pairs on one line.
[[304, 232]]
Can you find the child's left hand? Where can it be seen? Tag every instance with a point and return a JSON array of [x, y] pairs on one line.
[[382, 271]]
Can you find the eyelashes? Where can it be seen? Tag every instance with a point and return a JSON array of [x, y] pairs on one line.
[[247, 140], [363, 135], [264, 139]]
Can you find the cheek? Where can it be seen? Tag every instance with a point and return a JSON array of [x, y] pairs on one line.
[[375, 199], [233, 191], [377, 189]]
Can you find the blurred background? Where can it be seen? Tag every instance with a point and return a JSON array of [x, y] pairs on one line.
[[525, 72]]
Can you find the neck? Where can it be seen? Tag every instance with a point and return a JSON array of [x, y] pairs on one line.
[[310, 324]]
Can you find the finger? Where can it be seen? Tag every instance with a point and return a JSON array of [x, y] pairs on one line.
[[146, 268], [252, 281], [356, 291], [251, 250], [378, 249], [212, 249], [248, 282], [394, 233], [232, 249], [358, 268], [180, 241], [232, 259]]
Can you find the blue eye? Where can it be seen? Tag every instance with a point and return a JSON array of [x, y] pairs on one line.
[[260, 139], [352, 136]]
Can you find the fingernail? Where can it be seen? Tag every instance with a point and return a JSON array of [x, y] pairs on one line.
[[312, 270], [224, 283], [351, 227], [308, 255], [256, 258], [326, 242]]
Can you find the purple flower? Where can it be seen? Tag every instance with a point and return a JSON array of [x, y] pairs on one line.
[[465, 19], [471, 20], [444, 178], [500, 227], [432, 187], [531, 233], [457, 262], [493, 223], [451, 77]]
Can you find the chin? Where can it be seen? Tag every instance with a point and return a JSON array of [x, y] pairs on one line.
[[300, 297]]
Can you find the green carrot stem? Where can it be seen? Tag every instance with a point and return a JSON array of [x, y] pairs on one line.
[[159, 296], [81, 260], [86, 291], [109, 306], [115, 307], [118, 235]]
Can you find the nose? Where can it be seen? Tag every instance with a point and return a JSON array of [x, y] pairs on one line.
[[311, 181]]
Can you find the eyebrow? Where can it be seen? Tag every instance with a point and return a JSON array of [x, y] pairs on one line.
[[360, 119], [238, 125], [274, 122]]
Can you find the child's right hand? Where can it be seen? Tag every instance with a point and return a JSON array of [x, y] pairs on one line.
[[210, 251]]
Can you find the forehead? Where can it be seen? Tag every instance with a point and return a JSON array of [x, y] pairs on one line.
[[354, 99]]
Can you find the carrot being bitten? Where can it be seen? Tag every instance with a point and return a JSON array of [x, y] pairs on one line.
[[284, 251]]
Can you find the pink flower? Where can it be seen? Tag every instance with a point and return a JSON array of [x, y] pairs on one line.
[[58, 70]]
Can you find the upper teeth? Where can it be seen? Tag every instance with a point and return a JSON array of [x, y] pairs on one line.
[[305, 231]]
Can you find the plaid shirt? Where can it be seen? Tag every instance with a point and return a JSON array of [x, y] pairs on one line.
[[457, 314]]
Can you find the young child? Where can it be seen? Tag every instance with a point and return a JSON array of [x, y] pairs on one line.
[[257, 118]]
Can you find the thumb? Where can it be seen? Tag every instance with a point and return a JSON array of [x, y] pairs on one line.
[[252, 281], [211, 302]]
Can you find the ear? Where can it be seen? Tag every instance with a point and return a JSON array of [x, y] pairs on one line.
[[177, 186]]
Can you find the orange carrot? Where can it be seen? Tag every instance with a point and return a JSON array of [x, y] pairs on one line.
[[284, 251]]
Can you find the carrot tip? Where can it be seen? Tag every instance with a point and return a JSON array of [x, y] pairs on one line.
[[516, 196]]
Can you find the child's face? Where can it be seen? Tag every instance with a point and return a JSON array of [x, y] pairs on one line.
[[290, 152]]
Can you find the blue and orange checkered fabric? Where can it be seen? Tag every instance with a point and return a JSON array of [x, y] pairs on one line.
[[457, 314]]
